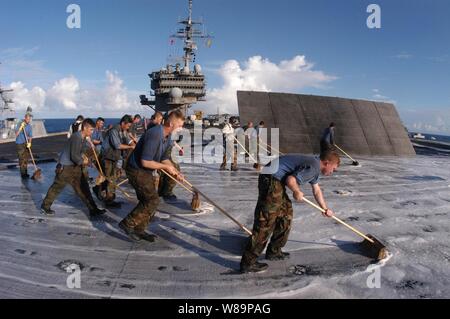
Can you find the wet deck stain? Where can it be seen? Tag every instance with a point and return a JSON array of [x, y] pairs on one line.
[[429, 229], [410, 284], [105, 283], [127, 286], [65, 264], [300, 270], [374, 220]]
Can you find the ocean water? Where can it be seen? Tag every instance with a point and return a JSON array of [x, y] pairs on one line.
[[62, 125]]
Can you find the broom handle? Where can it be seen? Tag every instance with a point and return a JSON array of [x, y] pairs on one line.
[[265, 149], [29, 149], [338, 220], [213, 203], [225, 213], [272, 148], [246, 150], [178, 146], [344, 152], [122, 182], [128, 196], [177, 181], [96, 159], [101, 173]]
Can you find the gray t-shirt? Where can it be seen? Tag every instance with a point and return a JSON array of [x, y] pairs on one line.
[[306, 169], [73, 150], [112, 141]]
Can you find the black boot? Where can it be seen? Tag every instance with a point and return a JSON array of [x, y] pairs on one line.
[[280, 256], [47, 211], [129, 231], [97, 212], [97, 191], [255, 268], [147, 237], [113, 204]]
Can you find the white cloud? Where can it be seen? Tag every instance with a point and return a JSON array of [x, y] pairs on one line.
[[435, 121], [65, 93], [403, 56], [69, 96], [24, 97], [259, 74], [115, 93], [381, 98]]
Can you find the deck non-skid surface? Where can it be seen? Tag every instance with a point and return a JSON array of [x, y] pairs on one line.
[[405, 202]]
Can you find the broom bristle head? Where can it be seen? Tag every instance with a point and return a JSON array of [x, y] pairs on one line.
[[195, 204], [376, 250], [37, 174]]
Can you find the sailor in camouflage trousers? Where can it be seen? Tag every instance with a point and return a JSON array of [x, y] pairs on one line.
[[274, 213]]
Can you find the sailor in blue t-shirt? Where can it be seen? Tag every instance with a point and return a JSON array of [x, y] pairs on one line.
[[24, 135], [274, 213], [149, 155], [327, 140]]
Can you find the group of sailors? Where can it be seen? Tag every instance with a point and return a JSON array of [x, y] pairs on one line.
[[119, 151]]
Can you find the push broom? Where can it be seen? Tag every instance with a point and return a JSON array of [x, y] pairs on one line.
[[102, 178], [256, 165], [372, 246], [268, 146], [195, 203], [194, 189], [355, 163], [37, 171]]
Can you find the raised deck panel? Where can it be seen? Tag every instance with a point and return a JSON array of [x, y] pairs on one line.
[[362, 127]]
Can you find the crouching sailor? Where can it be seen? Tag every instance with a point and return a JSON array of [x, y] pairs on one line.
[[274, 213], [70, 171]]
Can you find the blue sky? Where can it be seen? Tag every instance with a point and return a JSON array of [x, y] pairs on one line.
[[407, 61]]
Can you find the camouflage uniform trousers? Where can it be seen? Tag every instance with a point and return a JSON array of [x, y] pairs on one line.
[[74, 176], [111, 174], [24, 155], [143, 183], [273, 217], [166, 184]]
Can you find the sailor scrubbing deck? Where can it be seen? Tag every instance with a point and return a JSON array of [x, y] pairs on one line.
[[274, 213], [70, 171]]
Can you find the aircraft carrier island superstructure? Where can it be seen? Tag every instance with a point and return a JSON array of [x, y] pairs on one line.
[[179, 86]]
